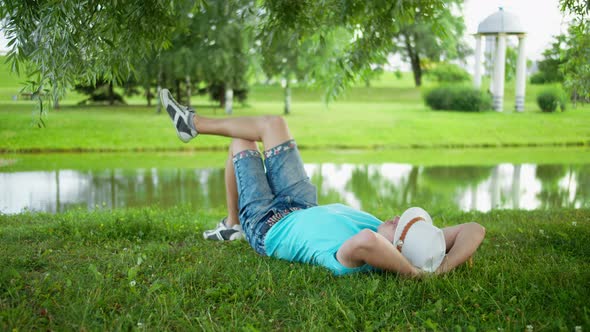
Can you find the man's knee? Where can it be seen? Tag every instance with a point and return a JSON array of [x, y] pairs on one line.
[[238, 144], [275, 122], [275, 131]]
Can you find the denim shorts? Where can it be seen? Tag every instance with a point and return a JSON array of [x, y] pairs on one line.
[[271, 187]]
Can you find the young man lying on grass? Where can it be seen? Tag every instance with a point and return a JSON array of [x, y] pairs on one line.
[[276, 205]]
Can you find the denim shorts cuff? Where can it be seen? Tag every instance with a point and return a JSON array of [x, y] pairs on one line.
[[286, 146], [246, 154]]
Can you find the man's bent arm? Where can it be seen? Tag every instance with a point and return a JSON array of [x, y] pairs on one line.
[[368, 247], [462, 241]]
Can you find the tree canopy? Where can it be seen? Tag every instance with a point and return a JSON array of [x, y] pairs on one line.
[[62, 43], [553, 58], [576, 68], [417, 43]]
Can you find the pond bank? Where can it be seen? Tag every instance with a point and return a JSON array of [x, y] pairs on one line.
[[195, 148], [10, 162]]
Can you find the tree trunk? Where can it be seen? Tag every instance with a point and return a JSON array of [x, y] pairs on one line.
[[55, 97], [188, 90], [178, 95], [222, 96], [148, 94], [414, 60], [229, 100], [111, 94], [158, 89], [417, 70], [287, 98]]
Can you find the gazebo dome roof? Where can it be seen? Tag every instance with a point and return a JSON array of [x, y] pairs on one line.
[[501, 22]]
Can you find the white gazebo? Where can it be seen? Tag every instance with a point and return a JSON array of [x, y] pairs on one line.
[[500, 25]]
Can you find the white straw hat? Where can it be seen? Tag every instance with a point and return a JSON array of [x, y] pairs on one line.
[[419, 241]]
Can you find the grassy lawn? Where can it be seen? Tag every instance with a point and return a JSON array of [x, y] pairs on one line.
[[388, 115], [342, 125], [149, 269]]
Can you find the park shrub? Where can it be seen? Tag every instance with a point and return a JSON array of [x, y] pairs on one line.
[[458, 98], [551, 98], [448, 73], [102, 91], [538, 78]]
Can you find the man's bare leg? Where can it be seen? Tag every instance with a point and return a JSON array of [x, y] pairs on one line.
[[230, 227], [271, 130], [231, 193], [245, 131], [231, 188]]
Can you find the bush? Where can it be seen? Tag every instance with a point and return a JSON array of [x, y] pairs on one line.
[[448, 73], [100, 92], [549, 99], [538, 78], [458, 98]]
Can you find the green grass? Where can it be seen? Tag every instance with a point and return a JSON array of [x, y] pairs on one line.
[[150, 269], [388, 115], [343, 125]]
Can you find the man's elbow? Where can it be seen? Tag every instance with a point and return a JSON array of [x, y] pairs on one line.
[[356, 250], [365, 241]]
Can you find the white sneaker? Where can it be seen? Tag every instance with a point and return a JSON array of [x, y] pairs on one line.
[[223, 233], [180, 115]]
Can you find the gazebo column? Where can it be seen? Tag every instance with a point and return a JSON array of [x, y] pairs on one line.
[[493, 40], [499, 65], [520, 74], [477, 71]]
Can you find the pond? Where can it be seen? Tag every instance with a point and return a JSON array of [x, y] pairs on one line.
[[364, 186]]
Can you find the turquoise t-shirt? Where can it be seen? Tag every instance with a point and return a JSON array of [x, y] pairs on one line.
[[314, 235]]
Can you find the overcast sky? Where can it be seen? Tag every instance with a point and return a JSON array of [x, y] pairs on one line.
[[540, 18]]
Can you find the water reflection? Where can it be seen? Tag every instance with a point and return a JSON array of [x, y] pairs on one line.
[[367, 187]]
